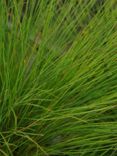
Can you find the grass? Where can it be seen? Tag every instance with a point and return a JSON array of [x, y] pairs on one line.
[[58, 78]]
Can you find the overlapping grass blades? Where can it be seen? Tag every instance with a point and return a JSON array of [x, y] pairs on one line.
[[58, 78]]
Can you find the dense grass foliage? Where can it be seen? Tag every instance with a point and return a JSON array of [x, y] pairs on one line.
[[58, 78]]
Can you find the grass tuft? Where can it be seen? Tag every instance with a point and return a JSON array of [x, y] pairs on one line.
[[58, 78]]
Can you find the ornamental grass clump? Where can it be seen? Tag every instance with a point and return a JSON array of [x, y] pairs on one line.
[[58, 78]]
